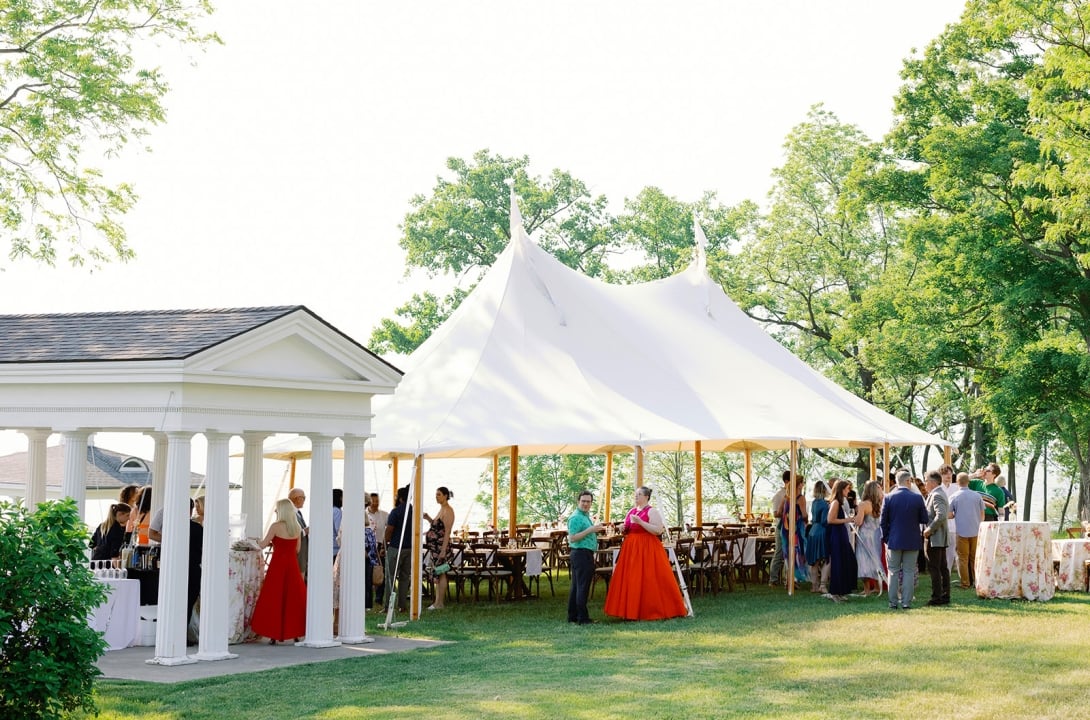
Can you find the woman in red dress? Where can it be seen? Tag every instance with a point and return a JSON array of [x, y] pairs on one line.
[[643, 585], [281, 609]]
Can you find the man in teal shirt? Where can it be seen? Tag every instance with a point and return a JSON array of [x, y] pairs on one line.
[[995, 498], [583, 542]]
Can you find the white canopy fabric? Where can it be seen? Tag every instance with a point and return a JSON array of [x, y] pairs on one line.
[[543, 357]]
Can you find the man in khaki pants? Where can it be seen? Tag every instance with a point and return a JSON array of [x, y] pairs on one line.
[[967, 509]]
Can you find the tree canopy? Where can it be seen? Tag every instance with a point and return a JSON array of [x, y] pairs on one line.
[[75, 84]]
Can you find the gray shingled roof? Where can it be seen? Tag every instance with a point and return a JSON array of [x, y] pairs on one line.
[[103, 469], [137, 335]]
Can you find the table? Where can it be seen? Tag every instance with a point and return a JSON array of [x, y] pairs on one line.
[[521, 562], [1014, 560], [118, 617], [245, 574], [149, 585], [1072, 556]]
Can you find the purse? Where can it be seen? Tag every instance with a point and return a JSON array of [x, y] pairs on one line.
[[442, 569], [377, 575]]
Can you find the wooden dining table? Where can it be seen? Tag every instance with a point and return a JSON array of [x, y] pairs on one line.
[[516, 559]]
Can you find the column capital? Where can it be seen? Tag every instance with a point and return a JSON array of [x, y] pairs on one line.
[[38, 434]]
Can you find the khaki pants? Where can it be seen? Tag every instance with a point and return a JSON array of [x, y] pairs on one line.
[[966, 558]]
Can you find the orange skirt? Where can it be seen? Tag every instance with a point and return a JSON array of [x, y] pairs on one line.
[[644, 586]]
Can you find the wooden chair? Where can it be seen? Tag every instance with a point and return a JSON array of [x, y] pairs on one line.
[[683, 549], [603, 568], [1075, 531], [491, 571]]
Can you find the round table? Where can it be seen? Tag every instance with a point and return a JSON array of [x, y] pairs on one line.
[[1014, 560], [1072, 556]]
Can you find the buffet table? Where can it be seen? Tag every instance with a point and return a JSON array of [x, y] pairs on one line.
[[1072, 556], [1014, 560], [118, 617]]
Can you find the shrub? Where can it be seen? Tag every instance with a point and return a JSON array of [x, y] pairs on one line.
[[47, 649]]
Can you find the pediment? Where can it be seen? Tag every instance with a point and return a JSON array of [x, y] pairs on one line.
[[291, 357]]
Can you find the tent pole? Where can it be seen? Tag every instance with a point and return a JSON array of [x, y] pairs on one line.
[[608, 494], [748, 454], [888, 467], [638, 457], [495, 492], [699, 472], [792, 518], [514, 500], [291, 479], [418, 545], [873, 462], [947, 455], [393, 473]]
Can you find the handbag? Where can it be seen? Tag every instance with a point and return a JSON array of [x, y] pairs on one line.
[[442, 569], [377, 575]]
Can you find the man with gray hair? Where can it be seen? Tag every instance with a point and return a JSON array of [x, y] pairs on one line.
[[903, 515]]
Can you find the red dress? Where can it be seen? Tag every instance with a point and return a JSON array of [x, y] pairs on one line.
[[281, 609], [644, 586]]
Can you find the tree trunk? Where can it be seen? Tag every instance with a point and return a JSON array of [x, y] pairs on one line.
[[1031, 471], [1067, 502], [1084, 491]]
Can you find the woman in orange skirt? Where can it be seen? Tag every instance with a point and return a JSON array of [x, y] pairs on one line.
[[643, 585]]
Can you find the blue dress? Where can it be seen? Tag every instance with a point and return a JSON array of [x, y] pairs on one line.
[[817, 549], [801, 573], [842, 569]]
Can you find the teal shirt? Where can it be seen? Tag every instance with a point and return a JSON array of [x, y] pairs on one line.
[[577, 523], [1000, 499]]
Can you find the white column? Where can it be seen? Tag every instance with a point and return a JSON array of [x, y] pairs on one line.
[[35, 468], [215, 585], [174, 555], [159, 472], [353, 551], [320, 560], [74, 484], [253, 463]]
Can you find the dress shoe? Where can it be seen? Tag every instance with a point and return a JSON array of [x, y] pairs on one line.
[[933, 602]]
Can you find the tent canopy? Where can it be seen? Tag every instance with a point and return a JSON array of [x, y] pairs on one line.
[[545, 358]]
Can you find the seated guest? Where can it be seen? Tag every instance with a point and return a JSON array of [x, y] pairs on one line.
[[110, 535]]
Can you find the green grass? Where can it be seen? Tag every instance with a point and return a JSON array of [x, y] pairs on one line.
[[753, 653]]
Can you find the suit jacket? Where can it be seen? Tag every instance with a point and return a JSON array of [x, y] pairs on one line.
[[903, 513], [938, 511]]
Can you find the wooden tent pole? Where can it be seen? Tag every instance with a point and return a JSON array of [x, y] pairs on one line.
[[495, 492], [291, 479], [792, 518], [699, 471], [639, 465], [514, 500], [947, 455], [418, 545], [608, 494], [873, 462], [393, 475], [748, 454]]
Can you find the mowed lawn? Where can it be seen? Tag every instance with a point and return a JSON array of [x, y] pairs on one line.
[[753, 653]]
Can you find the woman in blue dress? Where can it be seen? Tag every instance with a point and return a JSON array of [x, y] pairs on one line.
[[801, 572], [842, 568], [817, 549]]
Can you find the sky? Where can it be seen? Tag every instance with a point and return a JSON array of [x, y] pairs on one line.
[[291, 152]]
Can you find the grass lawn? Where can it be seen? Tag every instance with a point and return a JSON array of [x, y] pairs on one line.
[[753, 653]]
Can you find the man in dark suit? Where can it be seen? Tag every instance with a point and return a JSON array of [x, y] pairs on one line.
[[937, 539], [298, 498], [903, 513]]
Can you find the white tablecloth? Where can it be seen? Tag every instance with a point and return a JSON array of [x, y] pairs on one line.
[[118, 617], [1014, 560], [1072, 556]]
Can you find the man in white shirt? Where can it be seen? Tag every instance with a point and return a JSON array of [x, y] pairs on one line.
[[950, 488], [377, 517]]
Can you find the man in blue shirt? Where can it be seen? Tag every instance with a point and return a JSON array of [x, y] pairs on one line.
[[582, 542], [967, 509]]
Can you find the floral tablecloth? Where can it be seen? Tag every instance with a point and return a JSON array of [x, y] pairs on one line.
[[1014, 560], [1072, 556], [245, 573]]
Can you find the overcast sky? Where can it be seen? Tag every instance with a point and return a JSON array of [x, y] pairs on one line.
[[290, 152]]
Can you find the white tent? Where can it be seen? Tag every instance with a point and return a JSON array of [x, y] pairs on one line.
[[542, 357]]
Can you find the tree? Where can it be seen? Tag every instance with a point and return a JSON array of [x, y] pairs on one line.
[[71, 85], [988, 154], [459, 229], [47, 649], [548, 485]]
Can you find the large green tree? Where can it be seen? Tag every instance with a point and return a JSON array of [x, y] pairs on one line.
[[76, 83], [988, 154]]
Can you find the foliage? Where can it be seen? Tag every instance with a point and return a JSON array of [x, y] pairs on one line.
[[988, 154], [72, 85], [47, 661], [751, 653]]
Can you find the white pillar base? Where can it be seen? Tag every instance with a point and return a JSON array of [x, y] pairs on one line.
[[318, 643], [213, 656], [360, 640], [183, 660]]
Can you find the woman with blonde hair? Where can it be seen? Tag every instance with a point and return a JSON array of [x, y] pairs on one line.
[[109, 537], [870, 556], [281, 609], [817, 547]]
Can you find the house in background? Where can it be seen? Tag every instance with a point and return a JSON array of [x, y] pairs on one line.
[[107, 472]]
